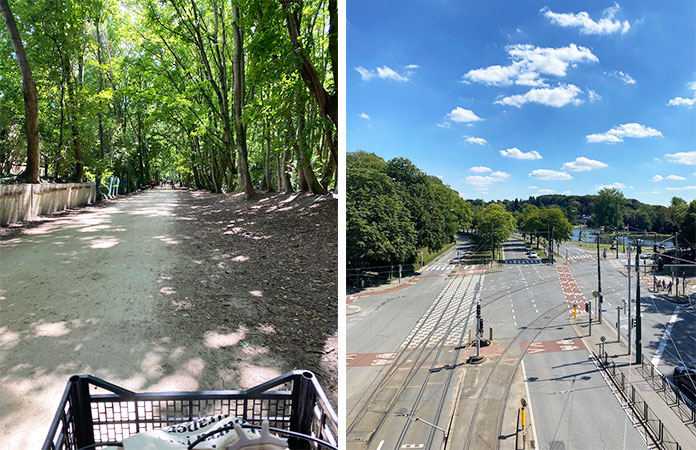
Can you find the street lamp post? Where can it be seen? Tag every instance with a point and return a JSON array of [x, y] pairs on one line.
[[599, 282], [639, 350]]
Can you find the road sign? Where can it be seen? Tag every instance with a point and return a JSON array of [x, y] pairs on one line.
[[595, 294]]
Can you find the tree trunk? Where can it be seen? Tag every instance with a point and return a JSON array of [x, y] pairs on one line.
[[240, 127], [101, 87], [279, 173], [31, 107], [328, 103], [303, 159], [287, 183], [77, 145], [267, 161]]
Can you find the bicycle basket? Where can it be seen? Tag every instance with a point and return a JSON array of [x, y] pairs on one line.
[[88, 417]]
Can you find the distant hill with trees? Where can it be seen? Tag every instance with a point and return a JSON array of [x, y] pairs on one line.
[[610, 208]]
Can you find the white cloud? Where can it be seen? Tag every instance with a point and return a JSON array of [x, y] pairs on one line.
[[546, 174], [445, 124], [516, 153], [681, 101], [556, 97], [626, 130], [593, 96], [658, 178], [582, 20], [687, 158], [675, 178], [364, 116], [365, 74], [616, 185], [529, 63], [475, 140], [483, 181], [387, 73], [682, 188], [481, 169], [459, 114], [533, 187], [626, 78], [566, 192], [546, 191], [583, 164]]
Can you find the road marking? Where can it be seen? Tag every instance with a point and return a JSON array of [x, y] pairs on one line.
[[381, 443], [413, 446], [668, 331], [529, 403]]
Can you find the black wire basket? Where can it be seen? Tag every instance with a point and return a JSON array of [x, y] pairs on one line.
[[94, 413]]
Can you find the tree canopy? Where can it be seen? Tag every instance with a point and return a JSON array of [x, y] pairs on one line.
[[393, 209], [223, 96]]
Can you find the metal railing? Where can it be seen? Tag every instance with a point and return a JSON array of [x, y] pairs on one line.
[[683, 408], [639, 408]]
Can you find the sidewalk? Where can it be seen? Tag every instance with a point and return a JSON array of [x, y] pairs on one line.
[[653, 402]]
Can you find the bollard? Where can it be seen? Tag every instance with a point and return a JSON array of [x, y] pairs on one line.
[[523, 417], [490, 334], [469, 335], [575, 311], [618, 324]]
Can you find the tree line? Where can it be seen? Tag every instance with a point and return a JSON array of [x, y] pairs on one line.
[[226, 96], [609, 208], [393, 210]]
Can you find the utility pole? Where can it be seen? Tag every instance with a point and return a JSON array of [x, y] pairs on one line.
[[630, 324], [639, 350], [676, 244], [599, 283]]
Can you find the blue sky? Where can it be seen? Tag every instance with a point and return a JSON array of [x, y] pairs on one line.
[[512, 99]]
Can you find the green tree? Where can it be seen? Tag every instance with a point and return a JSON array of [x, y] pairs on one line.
[[378, 227], [609, 208], [495, 224]]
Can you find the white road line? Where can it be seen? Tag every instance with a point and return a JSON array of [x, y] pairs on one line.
[[529, 403], [668, 331], [381, 443]]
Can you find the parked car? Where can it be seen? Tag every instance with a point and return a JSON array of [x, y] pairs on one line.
[[646, 256], [685, 379], [532, 255]]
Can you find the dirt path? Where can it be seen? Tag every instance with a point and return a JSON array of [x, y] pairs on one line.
[[166, 290]]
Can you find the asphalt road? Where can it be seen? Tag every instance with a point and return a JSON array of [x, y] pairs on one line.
[[668, 339], [392, 380]]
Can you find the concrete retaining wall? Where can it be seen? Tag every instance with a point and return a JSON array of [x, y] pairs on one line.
[[20, 202]]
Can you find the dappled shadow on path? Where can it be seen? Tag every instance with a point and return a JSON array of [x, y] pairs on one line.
[[255, 282]]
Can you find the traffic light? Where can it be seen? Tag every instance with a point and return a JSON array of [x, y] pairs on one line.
[[481, 325], [587, 307], [478, 310], [660, 264], [654, 248], [633, 322]]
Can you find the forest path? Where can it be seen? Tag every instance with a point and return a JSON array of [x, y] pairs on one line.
[[142, 293]]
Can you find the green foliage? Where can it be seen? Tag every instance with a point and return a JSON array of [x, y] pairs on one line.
[[142, 102], [609, 209], [393, 209], [495, 224], [545, 220]]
